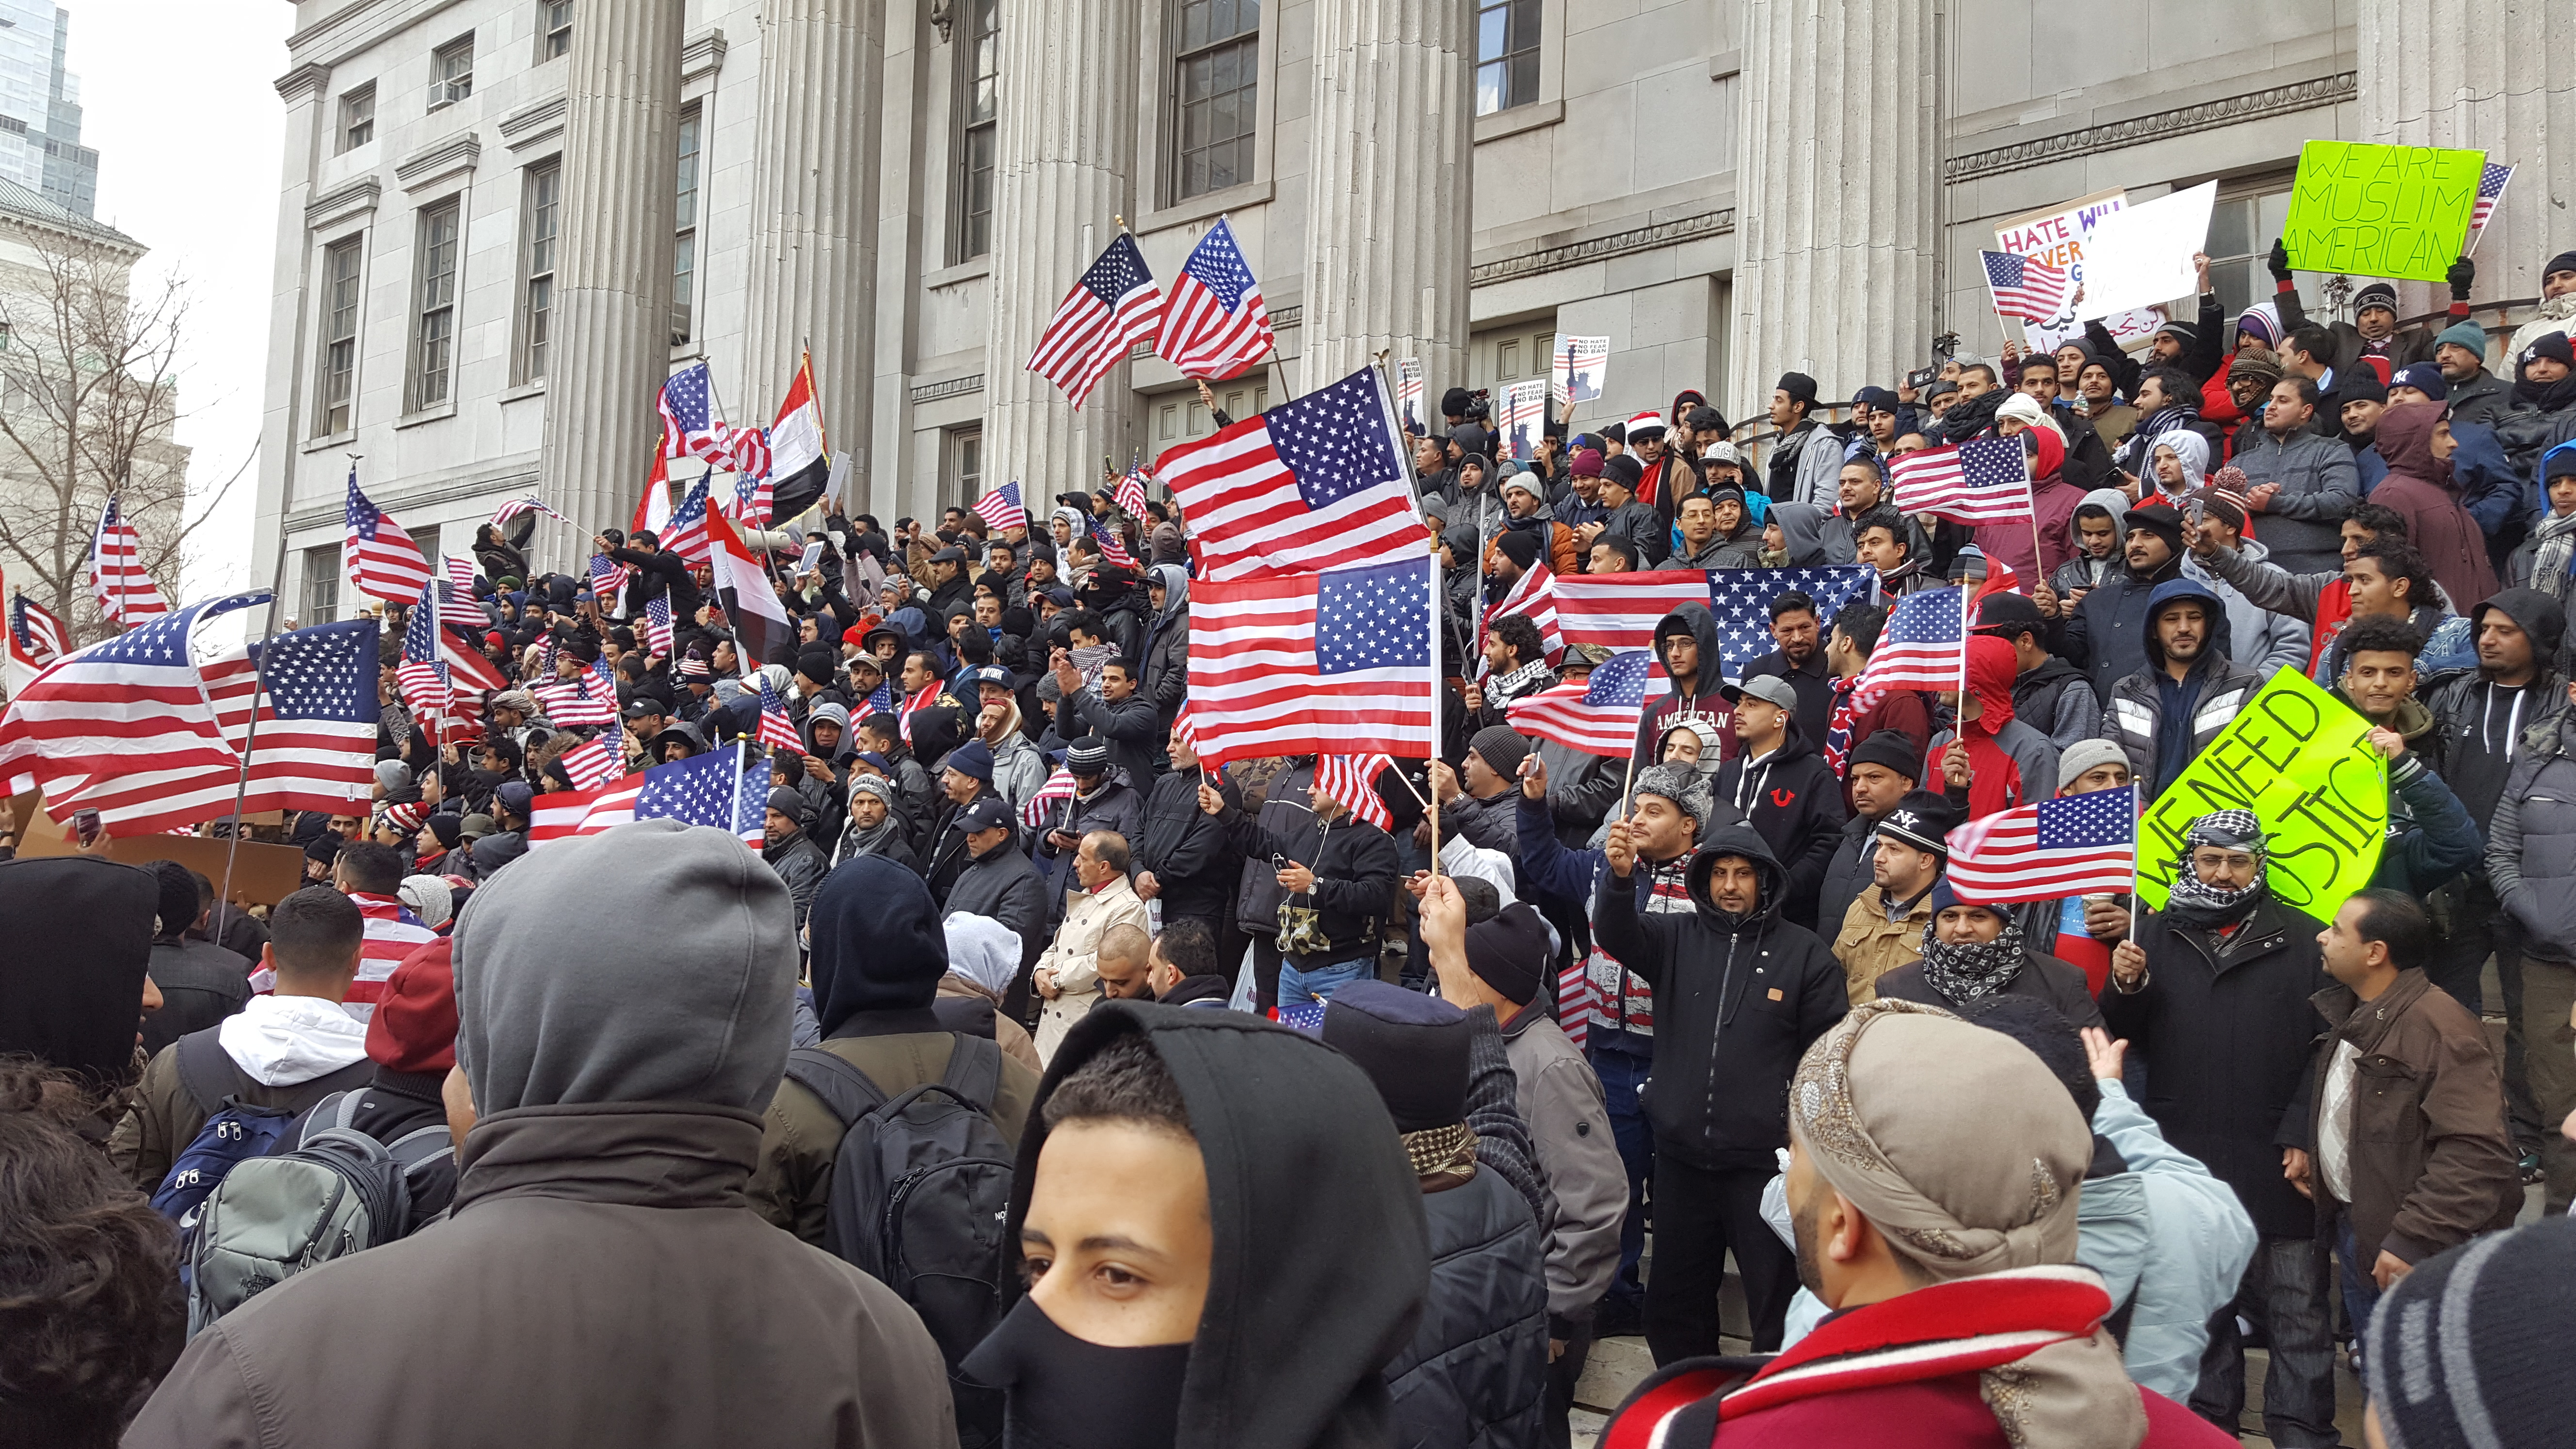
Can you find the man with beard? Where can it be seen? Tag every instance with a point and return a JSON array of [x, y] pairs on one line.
[[1799, 659], [2167, 713], [1785, 789], [1972, 952], [2214, 990], [2105, 635]]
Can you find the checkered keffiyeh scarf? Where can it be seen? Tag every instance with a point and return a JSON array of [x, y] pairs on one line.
[[2197, 903]]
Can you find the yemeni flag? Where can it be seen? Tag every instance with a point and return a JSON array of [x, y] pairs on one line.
[[799, 461], [653, 510], [743, 584]]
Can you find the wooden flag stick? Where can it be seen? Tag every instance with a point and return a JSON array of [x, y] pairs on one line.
[[1431, 641]]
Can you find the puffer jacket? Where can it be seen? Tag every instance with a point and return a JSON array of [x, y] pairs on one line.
[[1475, 1374], [2135, 714], [2531, 843], [802, 864], [1737, 1003], [2302, 525]]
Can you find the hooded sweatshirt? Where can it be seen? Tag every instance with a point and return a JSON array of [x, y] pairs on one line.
[[2081, 570], [1320, 1252], [2484, 724], [1793, 798], [2010, 763], [75, 908], [2419, 487], [1703, 700], [2164, 723], [1738, 999]]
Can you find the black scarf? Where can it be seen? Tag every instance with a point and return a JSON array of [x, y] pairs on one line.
[[1966, 973]]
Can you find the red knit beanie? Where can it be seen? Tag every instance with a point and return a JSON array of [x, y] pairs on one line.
[[414, 1028]]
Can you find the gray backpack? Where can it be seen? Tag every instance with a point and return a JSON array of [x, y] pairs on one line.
[[337, 1192]]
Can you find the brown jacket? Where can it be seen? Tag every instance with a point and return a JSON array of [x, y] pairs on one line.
[[2431, 1165], [1009, 1035], [164, 1116], [1870, 945], [600, 1283], [791, 1185]]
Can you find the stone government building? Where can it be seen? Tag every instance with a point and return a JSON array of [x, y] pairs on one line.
[[502, 222]]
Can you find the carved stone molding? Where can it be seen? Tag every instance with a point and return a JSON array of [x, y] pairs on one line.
[[438, 161], [930, 392], [2208, 115], [1617, 243], [534, 125], [342, 204], [701, 54]]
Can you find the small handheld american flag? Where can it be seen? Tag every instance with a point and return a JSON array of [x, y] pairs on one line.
[[2047, 851], [1130, 492], [1532, 596], [1058, 786], [517, 506], [776, 730], [1920, 648], [591, 764], [689, 429], [2491, 184], [1986, 481], [2031, 290], [1351, 780], [1114, 306], [1001, 508], [1598, 717]]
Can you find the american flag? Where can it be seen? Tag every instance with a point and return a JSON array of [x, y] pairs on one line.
[[1185, 727], [382, 562], [686, 533], [438, 674], [1408, 393], [2491, 184], [1740, 601], [1001, 507], [1328, 663], [460, 572], [2031, 290], [1599, 716], [920, 699], [719, 788], [1058, 786], [1130, 492], [1921, 647], [393, 933], [1619, 611], [1113, 549], [657, 625], [1214, 324], [607, 577], [1113, 307], [36, 637], [1351, 780], [688, 428], [2048, 851], [777, 731], [1533, 596], [315, 748], [587, 811], [1318, 483], [1986, 481], [125, 593], [585, 700], [517, 506], [123, 727], [591, 764]]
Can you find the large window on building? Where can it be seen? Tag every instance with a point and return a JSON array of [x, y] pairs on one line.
[[1215, 79], [341, 264], [544, 214], [321, 585], [451, 72], [1506, 54], [358, 117], [554, 29], [684, 245], [434, 306], [979, 80], [965, 469]]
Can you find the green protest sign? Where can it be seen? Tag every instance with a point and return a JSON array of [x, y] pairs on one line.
[[2381, 211], [2300, 760]]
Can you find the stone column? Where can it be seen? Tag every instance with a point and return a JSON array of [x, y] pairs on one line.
[[1066, 145], [2482, 77], [814, 213], [1836, 221], [612, 303], [1389, 189]]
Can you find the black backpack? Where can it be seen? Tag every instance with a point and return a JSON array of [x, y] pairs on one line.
[[919, 1194]]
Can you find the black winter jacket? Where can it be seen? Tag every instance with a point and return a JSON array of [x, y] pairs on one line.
[[2106, 635], [1737, 1002], [1796, 801], [1355, 867], [1475, 1374], [802, 864], [1004, 886], [1188, 853], [1133, 729]]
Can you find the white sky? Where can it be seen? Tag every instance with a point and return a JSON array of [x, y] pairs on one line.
[[179, 99]]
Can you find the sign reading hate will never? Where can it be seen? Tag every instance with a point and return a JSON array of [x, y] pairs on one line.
[[2301, 760], [2381, 211]]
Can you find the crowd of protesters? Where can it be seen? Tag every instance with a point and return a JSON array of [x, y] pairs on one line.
[[1032, 1084]]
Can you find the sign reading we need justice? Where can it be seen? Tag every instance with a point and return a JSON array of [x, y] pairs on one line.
[[2381, 211]]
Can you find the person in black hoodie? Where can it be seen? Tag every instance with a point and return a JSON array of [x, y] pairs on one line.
[[2106, 634], [1785, 789], [1194, 1280], [1739, 996]]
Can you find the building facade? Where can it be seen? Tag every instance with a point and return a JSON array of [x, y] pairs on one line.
[[500, 225]]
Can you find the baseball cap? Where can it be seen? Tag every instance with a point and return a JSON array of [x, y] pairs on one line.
[[1769, 688], [985, 814]]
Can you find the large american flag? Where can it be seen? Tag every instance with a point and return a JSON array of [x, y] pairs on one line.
[[1317, 483], [719, 788], [776, 731], [2048, 851], [1327, 663], [657, 625], [1619, 611], [125, 593], [1599, 716], [382, 562], [1001, 507], [1740, 601], [315, 748], [1985, 481], [1921, 647], [1112, 308], [1058, 786], [393, 933], [1214, 324], [2491, 185], [2023, 287], [123, 727], [689, 428], [1351, 780], [591, 764]]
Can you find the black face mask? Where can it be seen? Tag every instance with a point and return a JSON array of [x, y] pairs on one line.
[[1064, 1393]]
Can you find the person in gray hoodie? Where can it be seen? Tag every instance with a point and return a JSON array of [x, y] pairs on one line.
[[607, 1105], [2257, 638]]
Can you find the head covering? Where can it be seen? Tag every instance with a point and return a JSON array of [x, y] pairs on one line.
[[2199, 904], [2191, 450], [1798, 386], [1587, 463], [1502, 747], [1722, 451], [2256, 363], [1624, 470], [2405, 438], [987, 813], [555, 1006], [2470, 1346], [1685, 787], [1892, 749], [2182, 332], [430, 898], [393, 774], [1176, 591], [473, 827], [1802, 529], [514, 796], [2375, 294], [2263, 319], [1991, 667], [1922, 820], [792, 805], [2465, 334], [1413, 1047], [1520, 546], [2547, 344], [99, 914], [1644, 426], [516, 699], [2026, 408], [878, 943], [1769, 688], [2159, 519], [973, 759], [1971, 971], [982, 950], [414, 1025], [1087, 756], [2084, 755], [1992, 1146], [1510, 952]]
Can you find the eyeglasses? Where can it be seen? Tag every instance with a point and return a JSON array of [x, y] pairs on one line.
[[2213, 860]]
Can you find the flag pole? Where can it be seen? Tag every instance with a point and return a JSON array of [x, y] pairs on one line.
[[2137, 846], [1432, 639], [259, 687]]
